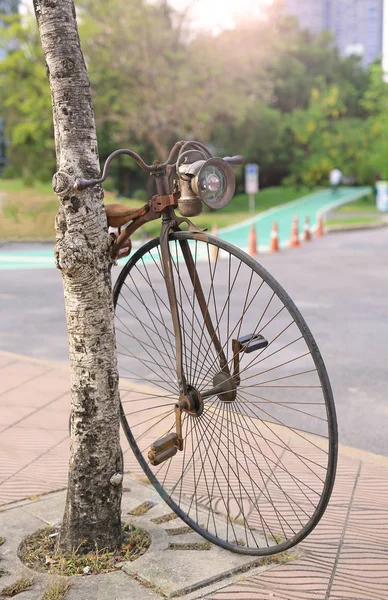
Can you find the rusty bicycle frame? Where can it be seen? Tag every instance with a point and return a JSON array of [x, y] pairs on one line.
[[163, 204]]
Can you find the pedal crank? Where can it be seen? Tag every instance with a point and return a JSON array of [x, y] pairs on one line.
[[168, 446], [246, 344]]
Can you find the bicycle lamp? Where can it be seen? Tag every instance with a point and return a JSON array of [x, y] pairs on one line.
[[212, 181]]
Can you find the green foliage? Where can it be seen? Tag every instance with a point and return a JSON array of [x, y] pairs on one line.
[[324, 136], [281, 96], [305, 62], [140, 194], [25, 101]]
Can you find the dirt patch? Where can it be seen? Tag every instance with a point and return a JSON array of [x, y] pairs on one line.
[[194, 546], [38, 551], [142, 509], [179, 530], [19, 586], [56, 591], [164, 518]]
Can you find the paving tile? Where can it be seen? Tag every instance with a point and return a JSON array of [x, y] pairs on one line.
[[53, 465], [20, 453], [369, 527], [23, 443], [55, 382], [20, 487], [62, 403], [47, 473], [47, 418], [6, 360], [26, 396], [361, 574], [19, 372], [295, 581], [328, 532], [372, 487], [11, 414]]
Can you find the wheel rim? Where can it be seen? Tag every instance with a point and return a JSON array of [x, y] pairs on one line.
[[256, 472]]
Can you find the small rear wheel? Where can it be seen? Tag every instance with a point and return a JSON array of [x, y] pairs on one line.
[[259, 454]]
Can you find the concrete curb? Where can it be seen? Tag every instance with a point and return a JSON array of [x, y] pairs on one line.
[[345, 229]]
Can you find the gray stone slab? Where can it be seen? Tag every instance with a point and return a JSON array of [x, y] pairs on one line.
[[120, 586], [177, 571], [84, 588], [160, 570], [48, 509], [14, 525]]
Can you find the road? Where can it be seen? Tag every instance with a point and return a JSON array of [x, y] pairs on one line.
[[339, 283]]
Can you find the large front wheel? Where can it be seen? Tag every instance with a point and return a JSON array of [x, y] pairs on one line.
[[259, 458]]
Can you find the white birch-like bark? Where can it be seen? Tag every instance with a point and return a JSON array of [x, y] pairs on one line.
[[92, 513]]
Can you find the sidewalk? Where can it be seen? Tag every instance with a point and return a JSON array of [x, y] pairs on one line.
[[346, 556]]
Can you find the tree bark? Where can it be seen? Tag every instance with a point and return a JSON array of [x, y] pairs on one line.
[[92, 513]]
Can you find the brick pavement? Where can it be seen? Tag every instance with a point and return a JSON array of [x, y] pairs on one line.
[[346, 556]]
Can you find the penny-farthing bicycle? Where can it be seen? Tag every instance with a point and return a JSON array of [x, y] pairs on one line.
[[225, 399]]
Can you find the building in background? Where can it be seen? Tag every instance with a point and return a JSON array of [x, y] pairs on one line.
[[312, 14], [385, 40], [357, 25]]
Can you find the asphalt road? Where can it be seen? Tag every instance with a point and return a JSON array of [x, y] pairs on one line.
[[340, 284]]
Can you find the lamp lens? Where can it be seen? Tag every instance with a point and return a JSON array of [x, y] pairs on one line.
[[212, 184]]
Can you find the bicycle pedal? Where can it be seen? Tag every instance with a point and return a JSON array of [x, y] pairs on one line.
[[252, 343], [163, 449]]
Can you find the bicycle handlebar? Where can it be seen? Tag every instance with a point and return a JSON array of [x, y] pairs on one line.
[[82, 184], [234, 160]]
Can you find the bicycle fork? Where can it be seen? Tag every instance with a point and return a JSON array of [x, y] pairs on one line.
[[225, 383]]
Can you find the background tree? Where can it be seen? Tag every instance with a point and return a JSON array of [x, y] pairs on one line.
[[92, 514], [25, 103]]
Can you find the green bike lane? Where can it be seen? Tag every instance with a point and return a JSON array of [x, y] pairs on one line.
[[40, 256], [309, 206]]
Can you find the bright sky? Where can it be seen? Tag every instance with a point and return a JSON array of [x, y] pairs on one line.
[[215, 15]]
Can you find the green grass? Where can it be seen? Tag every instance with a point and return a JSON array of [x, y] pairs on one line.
[[362, 211], [29, 213], [56, 591], [38, 552], [267, 198], [19, 586], [352, 221], [366, 204], [17, 185]]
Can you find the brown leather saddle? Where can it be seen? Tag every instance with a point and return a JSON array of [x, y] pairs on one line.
[[119, 214]]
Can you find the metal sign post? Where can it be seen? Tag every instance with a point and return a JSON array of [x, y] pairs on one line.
[[382, 196], [251, 184]]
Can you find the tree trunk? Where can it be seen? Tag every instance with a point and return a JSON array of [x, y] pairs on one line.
[[92, 513]]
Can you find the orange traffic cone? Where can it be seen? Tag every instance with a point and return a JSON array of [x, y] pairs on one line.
[[320, 228], [294, 241], [252, 242], [274, 243], [213, 250], [307, 232]]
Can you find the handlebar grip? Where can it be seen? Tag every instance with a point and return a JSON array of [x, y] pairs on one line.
[[82, 184], [235, 160]]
